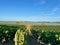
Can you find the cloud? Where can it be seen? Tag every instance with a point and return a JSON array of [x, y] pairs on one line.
[[55, 9], [42, 2]]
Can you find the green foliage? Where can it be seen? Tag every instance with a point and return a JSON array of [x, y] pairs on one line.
[[47, 34]]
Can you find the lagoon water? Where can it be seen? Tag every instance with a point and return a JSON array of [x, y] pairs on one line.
[[37, 23]]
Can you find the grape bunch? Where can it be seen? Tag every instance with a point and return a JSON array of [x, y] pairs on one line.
[[19, 37]]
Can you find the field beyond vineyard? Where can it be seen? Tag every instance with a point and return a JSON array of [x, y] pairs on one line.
[[29, 34]]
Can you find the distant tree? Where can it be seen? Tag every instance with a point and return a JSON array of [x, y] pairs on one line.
[[17, 23]]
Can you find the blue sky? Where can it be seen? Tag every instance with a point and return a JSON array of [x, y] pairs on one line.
[[30, 10]]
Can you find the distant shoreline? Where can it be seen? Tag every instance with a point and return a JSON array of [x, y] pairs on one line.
[[29, 22]]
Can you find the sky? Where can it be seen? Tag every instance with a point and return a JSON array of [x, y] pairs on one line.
[[29, 10]]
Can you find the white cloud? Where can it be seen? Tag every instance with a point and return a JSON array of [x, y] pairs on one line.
[[42, 2], [55, 9]]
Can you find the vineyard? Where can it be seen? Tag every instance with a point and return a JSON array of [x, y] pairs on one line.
[[29, 35]]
